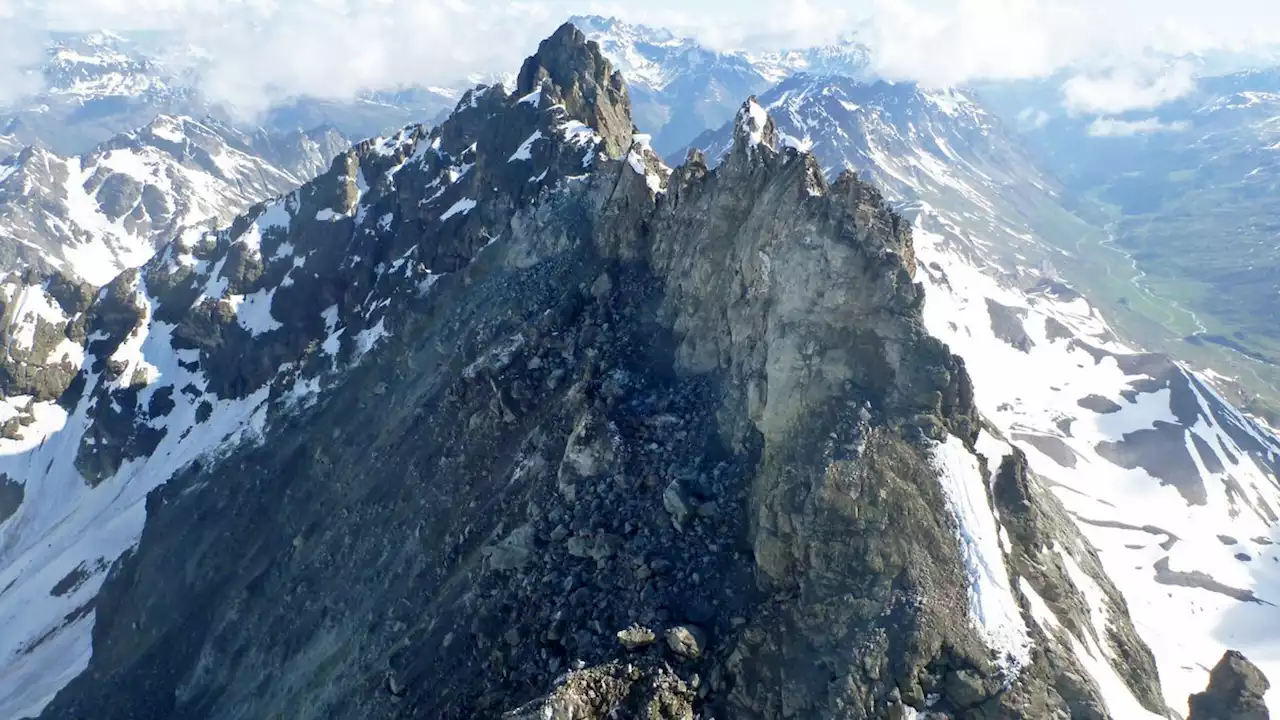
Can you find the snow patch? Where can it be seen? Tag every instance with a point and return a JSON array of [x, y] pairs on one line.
[[636, 160], [333, 336], [462, 207], [803, 145], [276, 216], [253, 312], [366, 339], [991, 601], [31, 305], [1115, 693], [753, 122], [525, 151]]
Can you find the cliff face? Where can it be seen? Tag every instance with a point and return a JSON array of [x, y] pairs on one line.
[[508, 419]]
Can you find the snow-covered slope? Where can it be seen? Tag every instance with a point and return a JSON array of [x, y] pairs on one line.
[[1188, 192], [9, 145], [1177, 489], [99, 213]]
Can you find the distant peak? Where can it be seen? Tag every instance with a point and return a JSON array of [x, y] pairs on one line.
[[618, 29], [582, 79], [591, 22], [103, 37], [169, 127], [167, 120]]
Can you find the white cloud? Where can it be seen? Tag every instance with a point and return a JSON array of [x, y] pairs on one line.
[[1129, 87], [20, 49], [947, 43], [260, 50], [335, 48], [1112, 127], [955, 41], [1032, 119]]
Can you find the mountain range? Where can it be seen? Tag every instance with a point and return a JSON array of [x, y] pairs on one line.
[[98, 85], [680, 88], [110, 209], [537, 412]]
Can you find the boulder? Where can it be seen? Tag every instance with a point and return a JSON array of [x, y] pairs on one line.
[[1236, 690]]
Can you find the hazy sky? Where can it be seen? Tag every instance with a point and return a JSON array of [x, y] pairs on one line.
[[335, 47]]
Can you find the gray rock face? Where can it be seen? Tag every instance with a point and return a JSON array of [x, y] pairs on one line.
[[980, 207], [1235, 692], [458, 504]]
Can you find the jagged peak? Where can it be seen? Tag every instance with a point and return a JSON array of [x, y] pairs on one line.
[[753, 128], [576, 72]]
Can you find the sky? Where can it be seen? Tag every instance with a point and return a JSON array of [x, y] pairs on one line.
[[261, 49]]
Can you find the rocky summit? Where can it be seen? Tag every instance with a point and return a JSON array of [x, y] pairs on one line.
[[507, 419]]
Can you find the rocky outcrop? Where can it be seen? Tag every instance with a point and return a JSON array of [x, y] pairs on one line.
[[518, 423], [1046, 550], [1236, 691], [41, 332]]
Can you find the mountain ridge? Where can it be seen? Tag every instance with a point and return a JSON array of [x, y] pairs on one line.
[[709, 392], [1173, 451]]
